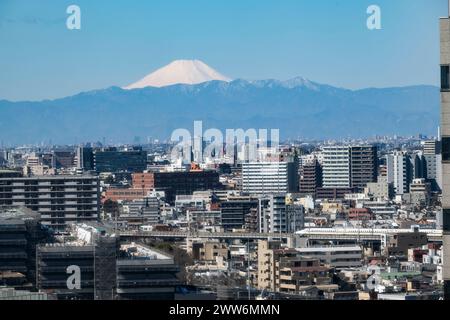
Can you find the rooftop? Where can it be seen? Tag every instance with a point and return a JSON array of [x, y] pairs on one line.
[[139, 251], [17, 213]]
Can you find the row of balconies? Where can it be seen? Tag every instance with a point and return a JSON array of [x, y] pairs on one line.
[[148, 282], [13, 242], [63, 269]]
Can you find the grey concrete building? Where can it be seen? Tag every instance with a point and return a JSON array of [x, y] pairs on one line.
[[349, 166], [59, 199], [445, 128]]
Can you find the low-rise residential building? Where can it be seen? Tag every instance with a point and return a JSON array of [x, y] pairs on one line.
[[339, 257]]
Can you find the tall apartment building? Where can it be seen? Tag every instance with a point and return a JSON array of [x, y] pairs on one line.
[[364, 165], [336, 167], [259, 178], [419, 166], [268, 255], [349, 166], [433, 159], [445, 127], [399, 171], [275, 216], [310, 178], [59, 199], [234, 212], [85, 158]]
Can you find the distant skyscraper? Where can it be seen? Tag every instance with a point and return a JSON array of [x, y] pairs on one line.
[[445, 127], [399, 171]]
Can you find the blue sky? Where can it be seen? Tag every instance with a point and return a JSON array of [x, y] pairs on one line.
[[121, 41]]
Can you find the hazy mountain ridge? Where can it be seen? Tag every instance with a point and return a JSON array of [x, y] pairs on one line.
[[298, 107]]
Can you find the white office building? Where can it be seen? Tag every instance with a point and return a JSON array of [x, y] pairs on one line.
[[336, 167], [260, 178], [399, 171]]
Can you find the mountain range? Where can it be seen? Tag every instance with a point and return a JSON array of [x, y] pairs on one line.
[[177, 95]]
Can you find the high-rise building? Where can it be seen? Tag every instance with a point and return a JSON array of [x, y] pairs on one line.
[[364, 165], [336, 167], [433, 159], [419, 166], [445, 127], [349, 166], [275, 216], [85, 158], [261, 178], [399, 171], [310, 178], [59, 199]]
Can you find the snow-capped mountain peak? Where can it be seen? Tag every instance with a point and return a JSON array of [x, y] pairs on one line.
[[300, 82], [179, 72]]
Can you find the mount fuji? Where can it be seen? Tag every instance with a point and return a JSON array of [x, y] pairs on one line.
[[184, 91], [179, 72]]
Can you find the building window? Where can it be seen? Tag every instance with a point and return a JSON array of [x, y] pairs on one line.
[[445, 148], [446, 220], [445, 77]]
